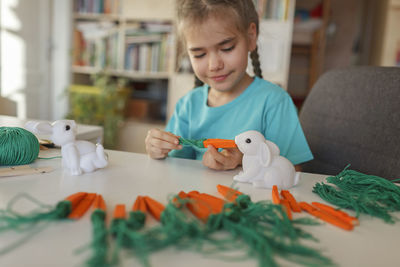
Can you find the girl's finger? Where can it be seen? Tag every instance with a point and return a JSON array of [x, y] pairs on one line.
[[157, 153], [164, 144], [162, 135], [209, 161], [220, 158]]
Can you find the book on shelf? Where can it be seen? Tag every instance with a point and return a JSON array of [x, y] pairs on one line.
[[96, 45], [97, 6], [147, 51], [272, 9]]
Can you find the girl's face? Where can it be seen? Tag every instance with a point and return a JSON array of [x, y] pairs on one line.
[[218, 52]]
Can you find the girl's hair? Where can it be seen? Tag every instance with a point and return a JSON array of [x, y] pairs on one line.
[[197, 11]]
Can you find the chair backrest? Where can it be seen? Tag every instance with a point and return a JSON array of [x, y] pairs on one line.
[[352, 116]]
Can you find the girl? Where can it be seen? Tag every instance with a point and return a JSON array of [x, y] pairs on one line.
[[218, 36]]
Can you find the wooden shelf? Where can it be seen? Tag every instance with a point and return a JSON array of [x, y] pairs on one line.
[[96, 16], [123, 73]]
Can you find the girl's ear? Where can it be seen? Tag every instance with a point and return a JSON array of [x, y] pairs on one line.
[[252, 36]]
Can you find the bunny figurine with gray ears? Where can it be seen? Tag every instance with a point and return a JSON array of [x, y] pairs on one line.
[[78, 156], [262, 164]]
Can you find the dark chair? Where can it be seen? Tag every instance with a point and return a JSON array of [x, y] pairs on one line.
[[352, 116]]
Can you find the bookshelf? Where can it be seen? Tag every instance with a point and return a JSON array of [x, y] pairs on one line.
[[275, 39], [386, 46], [308, 46], [117, 36]]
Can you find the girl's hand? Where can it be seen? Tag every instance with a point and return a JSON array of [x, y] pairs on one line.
[[227, 159], [159, 143]]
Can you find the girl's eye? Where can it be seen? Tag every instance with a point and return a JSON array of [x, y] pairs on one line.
[[228, 49], [199, 56]]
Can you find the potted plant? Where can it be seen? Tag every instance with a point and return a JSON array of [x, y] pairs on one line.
[[103, 104]]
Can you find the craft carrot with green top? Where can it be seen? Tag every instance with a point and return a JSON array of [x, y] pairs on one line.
[[286, 206], [74, 199], [219, 143], [99, 244], [154, 207], [204, 143], [178, 199], [82, 207], [292, 201], [275, 195], [337, 213], [99, 203], [326, 216], [228, 193], [215, 204], [119, 212], [139, 205]]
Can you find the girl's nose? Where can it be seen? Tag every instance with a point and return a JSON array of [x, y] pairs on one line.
[[215, 62]]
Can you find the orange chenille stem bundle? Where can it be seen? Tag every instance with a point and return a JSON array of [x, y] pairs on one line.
[[327, 217], [204, 143], [228, 193]]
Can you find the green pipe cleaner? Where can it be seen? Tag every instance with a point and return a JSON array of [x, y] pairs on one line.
[[267, 231], [192, 142], [100, 240], [362, 193], [12, 220], [127, 236]]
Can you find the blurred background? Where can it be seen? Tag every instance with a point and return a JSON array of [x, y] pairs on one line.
[[117, 63]]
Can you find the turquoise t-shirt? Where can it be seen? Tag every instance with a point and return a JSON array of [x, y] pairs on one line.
[[263, 106]]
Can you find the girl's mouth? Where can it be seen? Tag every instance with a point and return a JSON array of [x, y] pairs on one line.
[[219, 78]]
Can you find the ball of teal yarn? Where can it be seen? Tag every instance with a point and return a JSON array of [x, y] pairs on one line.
[[17, 146]]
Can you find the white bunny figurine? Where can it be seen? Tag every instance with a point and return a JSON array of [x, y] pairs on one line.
[[77, 155], [262, 164]]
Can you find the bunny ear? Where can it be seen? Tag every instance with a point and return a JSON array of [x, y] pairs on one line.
[[39, 127], [273, 147], [264, 155]]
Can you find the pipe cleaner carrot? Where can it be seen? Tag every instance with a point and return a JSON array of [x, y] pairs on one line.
[[118, 229], [326, 216], [292, 201], [125, 231], [337, 213], [228, 193], [219, 143], [137, 216], [76, 198], [264, 227], [99, 203], [212, 203], [275, 195], [13, 220], [179, 199], [202, 206], [82, 207], [204, 143], [286, 205], [99, 244], [155, 208]]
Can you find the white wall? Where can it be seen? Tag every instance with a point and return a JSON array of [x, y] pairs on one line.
[[35, 40], [61, 57]]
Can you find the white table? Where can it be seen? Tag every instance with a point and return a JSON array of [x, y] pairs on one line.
[[373, 243], [90, 133]]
